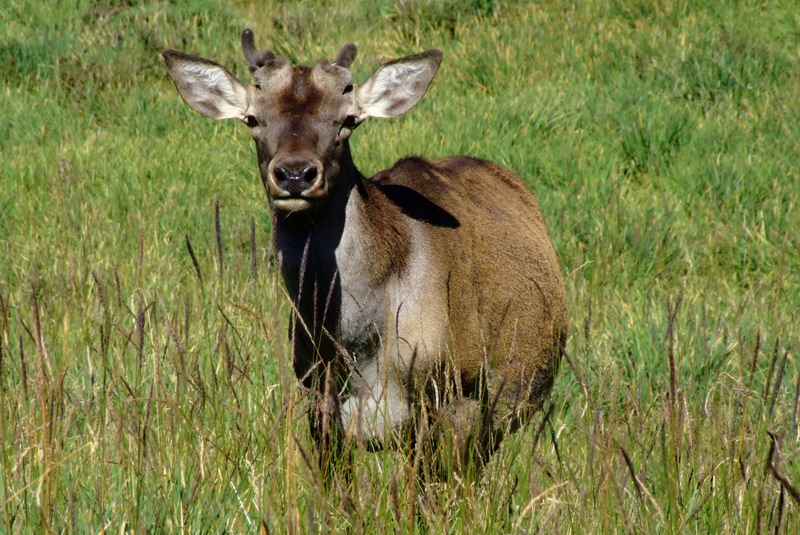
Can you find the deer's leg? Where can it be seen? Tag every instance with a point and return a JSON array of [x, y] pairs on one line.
[[462, 438], [320, 379], [379, 405], [332, 453], [468, 431]]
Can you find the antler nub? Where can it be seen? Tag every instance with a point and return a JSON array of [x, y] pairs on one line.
[[255, 59], [346, 56], [249, 46]]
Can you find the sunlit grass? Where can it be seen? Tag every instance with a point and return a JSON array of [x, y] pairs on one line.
[[661, 138]]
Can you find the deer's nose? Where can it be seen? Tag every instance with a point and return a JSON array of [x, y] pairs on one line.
[[306, 174], [295, 177]]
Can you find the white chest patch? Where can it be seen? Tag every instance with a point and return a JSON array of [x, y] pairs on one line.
[[363, 310]]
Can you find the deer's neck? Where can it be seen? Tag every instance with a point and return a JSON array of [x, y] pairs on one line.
[[358, 234]]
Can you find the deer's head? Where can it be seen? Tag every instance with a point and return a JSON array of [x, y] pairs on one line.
[[301, 117]]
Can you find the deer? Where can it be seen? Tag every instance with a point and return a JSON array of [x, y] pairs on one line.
[[430, 292]]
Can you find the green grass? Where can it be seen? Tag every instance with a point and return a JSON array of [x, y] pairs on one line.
[[661, 138]]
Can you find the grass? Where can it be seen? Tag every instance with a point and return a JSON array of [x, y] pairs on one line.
[[140, 391]]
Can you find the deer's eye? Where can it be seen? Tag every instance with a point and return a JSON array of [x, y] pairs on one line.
[[347, 89], [251, 121], [351, 121]]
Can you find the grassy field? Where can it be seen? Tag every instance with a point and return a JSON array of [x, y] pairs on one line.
[[140, 392]]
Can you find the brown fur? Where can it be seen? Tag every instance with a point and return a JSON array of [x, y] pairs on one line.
[[505, 291], [431, 287]]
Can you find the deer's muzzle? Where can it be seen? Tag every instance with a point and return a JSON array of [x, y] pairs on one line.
[[295, 178]]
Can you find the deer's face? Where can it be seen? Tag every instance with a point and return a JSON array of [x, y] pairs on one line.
[[301, 117]]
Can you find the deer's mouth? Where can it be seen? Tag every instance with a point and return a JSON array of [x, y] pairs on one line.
[[290, 201], [292, 204]]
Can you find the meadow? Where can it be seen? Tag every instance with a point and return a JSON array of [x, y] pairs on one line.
[[145, 378]]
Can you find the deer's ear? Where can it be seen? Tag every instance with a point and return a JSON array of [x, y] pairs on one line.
[[398, 85], [207, 86]]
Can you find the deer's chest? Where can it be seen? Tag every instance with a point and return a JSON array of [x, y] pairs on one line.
[[363, 311]]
